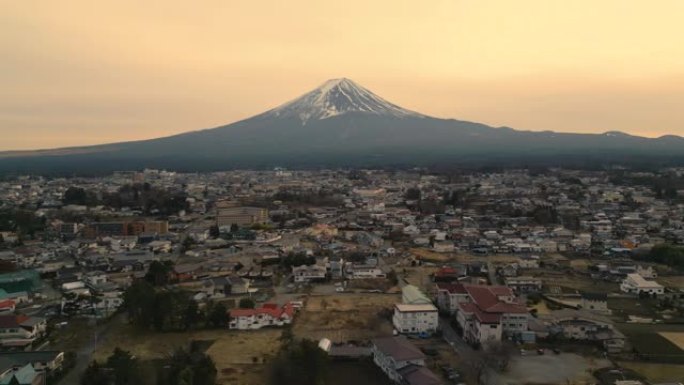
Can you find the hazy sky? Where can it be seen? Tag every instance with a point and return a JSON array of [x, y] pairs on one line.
[[78, 72]]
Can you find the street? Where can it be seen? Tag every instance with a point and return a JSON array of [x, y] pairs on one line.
[[451, 336]]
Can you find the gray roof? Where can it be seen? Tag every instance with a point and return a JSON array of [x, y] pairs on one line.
[[419, 375], [16, 359], [399, 348]]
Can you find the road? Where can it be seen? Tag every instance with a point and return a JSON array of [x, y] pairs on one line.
[[451, 336], [85, 353]]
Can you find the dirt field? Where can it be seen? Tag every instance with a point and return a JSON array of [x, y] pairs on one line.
[[676, 338], [346, 317], [239, 355], [580, 283], [419, 276], [461, 257], [676, 281], [656, 373]]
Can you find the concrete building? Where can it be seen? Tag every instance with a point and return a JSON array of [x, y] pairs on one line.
[[636, 284], [241, 216], [415, 319], [402, 362]]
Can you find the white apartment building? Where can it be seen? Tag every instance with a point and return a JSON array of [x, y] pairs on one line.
[[412, 319]]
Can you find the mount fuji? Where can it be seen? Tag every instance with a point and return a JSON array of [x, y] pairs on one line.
[[341, 123]]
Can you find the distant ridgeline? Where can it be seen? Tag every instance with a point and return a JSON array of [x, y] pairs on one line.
[[341, 124]]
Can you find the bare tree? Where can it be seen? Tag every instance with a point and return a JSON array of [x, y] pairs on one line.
[[493, 356]]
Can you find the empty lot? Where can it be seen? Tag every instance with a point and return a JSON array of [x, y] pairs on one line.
[[346, 317]]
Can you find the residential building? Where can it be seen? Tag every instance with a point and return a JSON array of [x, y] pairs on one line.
[[364, 271], [636, 284], [267, 315], [524, 284], [20, 330], [402, 362], [491, 313], [449, 295], [241, 216], [415, 319], [595, 302], [310, 273], [585, 326]]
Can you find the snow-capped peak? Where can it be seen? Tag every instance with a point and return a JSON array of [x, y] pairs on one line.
[[337, 97]]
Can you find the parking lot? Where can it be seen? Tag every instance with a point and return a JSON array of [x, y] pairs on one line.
[[564, 368]]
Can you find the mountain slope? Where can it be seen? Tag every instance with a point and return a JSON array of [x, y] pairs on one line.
[[343, 124]]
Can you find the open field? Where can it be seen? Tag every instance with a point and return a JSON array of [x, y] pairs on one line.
[[656, 373], [676, 338], [346, 317], [647, 340], [460, 257], [577, 282], [239, 355]]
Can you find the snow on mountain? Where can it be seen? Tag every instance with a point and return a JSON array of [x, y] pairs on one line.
[[337, 97]]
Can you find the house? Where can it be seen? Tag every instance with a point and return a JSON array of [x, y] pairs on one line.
[[636, 284], [216, 287], [310, 273], [449, 295], [402, 362], [41, 360], [20, 329], [416, 313], [7, 306], [524, 284], [510, 270], [95, 278], [267, 315], [219, 287], [585, 326], [415, 319], [25, 375], [595, 302], [449, 274], [238, 285], [364, 271], [528, 262]]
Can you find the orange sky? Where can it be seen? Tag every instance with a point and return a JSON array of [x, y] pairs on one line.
[[78, 72]]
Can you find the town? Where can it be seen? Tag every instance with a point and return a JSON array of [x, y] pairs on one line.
[[412, 277]]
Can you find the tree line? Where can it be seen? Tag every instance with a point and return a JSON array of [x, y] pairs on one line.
[[182, 367], [162, 309]]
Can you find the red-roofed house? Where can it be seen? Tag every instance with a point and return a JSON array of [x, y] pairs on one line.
[[7, 306], [490, 313], [268, 314]]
